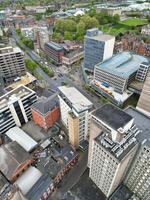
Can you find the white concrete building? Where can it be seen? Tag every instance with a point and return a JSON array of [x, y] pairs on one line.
[[72, 101], [15, 108], [112, 148]]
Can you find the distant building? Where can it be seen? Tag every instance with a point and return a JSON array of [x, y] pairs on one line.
[[75, 109], [113, 149], [28, 32], [15, 107], [54, 51], [145, 30], [144, 100], [46, 112], [14, 160], [120, 70], [11, 64], [110, 10], [97, 48], [42, 36]]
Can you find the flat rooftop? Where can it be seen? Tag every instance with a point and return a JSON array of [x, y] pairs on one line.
[[119, 149], [9, 50], [101, 37], [123, 64], [77, 100], [19, 92], [112, 116], [142, 121], [24, 80]]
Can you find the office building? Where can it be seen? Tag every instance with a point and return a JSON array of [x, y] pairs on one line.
[[75, 112], [11, 64], [144, 101], [97, 48], [72, 57], [142, 72], [120, 70], [42, 37], [15, 108], [54, 51], [113, 149], [46, 112]]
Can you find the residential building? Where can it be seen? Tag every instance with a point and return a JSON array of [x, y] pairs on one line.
[[138, 179], [97, 48], [54, 51], [11, 64], [46, 112], [15, 160], [15, 107], [145, 30], [75, 113], [144, 100], [28, 32], [120, 70], [113, 149], [142, 72]]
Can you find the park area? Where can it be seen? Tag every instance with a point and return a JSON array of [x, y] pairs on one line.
[[131, 25]]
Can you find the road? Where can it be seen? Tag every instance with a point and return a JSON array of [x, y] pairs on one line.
[[54, 84], [71, 178]]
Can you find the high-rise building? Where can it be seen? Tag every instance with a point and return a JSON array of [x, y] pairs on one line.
[[15, 108], [75, 112], [144, 101], [113, 149], [11, 64], [97, 48], [138, 179]]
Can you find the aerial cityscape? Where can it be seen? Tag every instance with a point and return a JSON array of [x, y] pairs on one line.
[[74, 99]]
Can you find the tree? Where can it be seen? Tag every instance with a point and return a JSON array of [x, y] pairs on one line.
[[148, 19], [90, 22], [30, 65], [60, 26], [57, 37], [70, 25], [68, 36], [80, 31], [115, 18]]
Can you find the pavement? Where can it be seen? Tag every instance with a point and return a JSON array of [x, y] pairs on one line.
[[71, 178]]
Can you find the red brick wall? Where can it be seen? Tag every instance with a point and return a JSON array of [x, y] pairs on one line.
[[47, 121]]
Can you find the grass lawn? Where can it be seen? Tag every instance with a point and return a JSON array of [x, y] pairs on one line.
[[134, 22], [114, 30]]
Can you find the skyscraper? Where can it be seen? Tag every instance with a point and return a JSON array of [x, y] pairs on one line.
[[112, 151], [97, 48]]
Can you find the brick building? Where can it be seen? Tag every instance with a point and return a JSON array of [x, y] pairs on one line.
[[46, 112]]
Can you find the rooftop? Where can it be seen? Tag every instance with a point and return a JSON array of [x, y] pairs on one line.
[[123, 64], [142, 121], [19, 92], [24, 140], [112, 116], [12, 155], [54, 45], [24, 80], [39, 187], [95, 34], [119, 149], [8, 50], [45, 105], [77, 100]]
